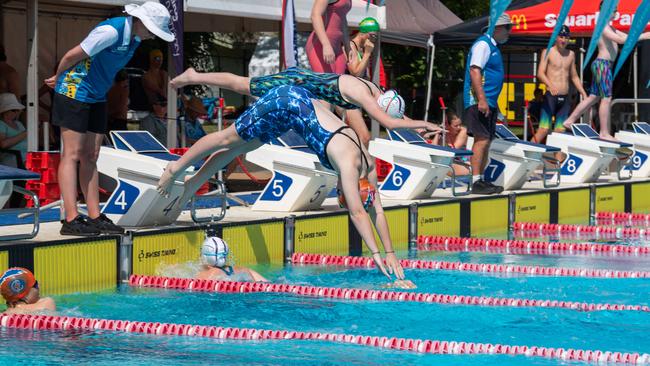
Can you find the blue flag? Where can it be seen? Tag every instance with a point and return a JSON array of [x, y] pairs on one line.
[[606, 11], [564, 11], [497, 7], [641, 18]]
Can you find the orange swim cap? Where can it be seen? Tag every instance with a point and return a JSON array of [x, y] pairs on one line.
[[15, 283], [367, 192]]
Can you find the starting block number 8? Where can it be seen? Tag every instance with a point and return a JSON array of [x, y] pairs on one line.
[[571, 165]]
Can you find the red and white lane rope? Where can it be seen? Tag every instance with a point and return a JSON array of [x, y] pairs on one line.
[[47, 322], [523, 247], [623, 218], [365, 262], [363, 294], [608, 232]]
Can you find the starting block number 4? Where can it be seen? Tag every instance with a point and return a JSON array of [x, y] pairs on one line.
[[396, 179], [571, 165], [278, 188]]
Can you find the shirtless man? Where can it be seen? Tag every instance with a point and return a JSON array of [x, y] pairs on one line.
[[20, 290], [557, 67], [602, 79], [9, 82]]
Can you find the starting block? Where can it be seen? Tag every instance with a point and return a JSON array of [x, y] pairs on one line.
[[512, 161], [300, 182], [418, 167], [131, 170], [640, 138], [588, 155]]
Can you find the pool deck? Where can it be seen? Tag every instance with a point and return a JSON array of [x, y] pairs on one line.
[[49, 231]]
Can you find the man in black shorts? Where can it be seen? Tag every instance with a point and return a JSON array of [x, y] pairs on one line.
[[82, 80], [484, 77]]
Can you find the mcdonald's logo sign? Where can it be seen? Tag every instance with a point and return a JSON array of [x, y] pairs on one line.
[[520, 22]]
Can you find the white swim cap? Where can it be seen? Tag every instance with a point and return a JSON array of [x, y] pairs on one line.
[[214, 252], [392, 104]]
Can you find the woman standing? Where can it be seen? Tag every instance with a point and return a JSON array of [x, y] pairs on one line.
[[326, 44]]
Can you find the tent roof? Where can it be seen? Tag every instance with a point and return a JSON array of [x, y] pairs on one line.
[[410, 22]]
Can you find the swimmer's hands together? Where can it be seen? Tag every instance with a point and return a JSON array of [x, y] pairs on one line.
[[394, 267]]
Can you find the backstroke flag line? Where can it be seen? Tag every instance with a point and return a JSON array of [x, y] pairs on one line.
[[289, 50], [564, 11], [640, 22], [606, 11], [497, 7]]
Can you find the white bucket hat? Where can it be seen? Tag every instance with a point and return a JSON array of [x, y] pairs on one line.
[[9, 102], [154, 16]]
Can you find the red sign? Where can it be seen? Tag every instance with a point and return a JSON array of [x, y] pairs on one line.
[[541, 19]]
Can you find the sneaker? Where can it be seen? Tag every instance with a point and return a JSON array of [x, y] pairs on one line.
[[105, 225], [483, 187], [499, 188], [79, 227]]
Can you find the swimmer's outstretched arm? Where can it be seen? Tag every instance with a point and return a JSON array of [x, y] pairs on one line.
[[225, 80]]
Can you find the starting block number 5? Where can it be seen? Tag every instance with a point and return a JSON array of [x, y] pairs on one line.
[[277, 188]]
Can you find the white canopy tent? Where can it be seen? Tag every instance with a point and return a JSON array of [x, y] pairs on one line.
[[38, 32]]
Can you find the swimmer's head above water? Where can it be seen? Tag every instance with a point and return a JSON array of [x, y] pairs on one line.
[[214, 252]]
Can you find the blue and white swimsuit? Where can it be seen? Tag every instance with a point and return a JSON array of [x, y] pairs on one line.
[[281, 109]]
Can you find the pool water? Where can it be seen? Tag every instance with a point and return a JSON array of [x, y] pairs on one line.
[[603, 330]]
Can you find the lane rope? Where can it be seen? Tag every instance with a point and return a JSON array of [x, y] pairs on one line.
[[605, 232], [365, 262], [48, 322], [197, 285], [523, 247]]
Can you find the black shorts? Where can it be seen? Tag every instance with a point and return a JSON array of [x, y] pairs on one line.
[[478, 125], [79, 116]]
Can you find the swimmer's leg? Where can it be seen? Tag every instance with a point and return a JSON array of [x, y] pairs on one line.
[[226, 80], [206, 145], [214, 163]]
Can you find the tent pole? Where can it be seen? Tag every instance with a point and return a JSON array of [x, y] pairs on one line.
[[430, 77], [32, 75], [636, 83]]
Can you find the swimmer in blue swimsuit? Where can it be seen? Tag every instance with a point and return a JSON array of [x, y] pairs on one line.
[[337, 147]]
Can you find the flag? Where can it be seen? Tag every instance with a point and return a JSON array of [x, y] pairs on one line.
[[497, 7], [606, 11], [175, 8], [564, 11], [641, 18], [288, 37]]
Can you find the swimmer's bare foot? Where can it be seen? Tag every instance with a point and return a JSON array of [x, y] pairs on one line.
[[186, 78], [166, 179]]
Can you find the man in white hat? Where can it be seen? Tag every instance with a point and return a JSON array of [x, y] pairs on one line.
[[484, 77], [82, 80]]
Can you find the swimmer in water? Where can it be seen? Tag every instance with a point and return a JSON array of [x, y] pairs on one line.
[[214, 261], [20, 290]]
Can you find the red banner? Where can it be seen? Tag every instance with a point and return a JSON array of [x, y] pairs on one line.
[[541, 19]]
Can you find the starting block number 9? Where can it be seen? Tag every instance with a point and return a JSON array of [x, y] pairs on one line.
[[277, 188], [571, 165], [396, 179]]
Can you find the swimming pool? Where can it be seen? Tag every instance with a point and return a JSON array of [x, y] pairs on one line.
[[619, 331]]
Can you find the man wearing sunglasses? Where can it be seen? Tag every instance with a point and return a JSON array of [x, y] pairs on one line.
[[20, 290], [484, 76]]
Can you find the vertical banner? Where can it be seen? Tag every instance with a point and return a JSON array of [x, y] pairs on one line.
[[288, 38], [497, 7], [564, 11], [641, 18], [175, 8], [606, 11]]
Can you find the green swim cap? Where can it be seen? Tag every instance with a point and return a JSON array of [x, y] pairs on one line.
[[369, 25]]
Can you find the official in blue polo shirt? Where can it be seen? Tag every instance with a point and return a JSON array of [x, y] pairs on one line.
[[484, 77], [84, 76]]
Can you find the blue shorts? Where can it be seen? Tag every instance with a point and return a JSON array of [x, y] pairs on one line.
[[281, 109]]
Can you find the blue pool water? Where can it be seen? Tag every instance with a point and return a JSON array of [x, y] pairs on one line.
[[604, 330]]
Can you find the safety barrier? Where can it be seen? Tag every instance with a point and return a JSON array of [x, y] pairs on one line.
[[365, 262], [47, 322], [363, 294], [623, 218], [523, 247], [604, 232]]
